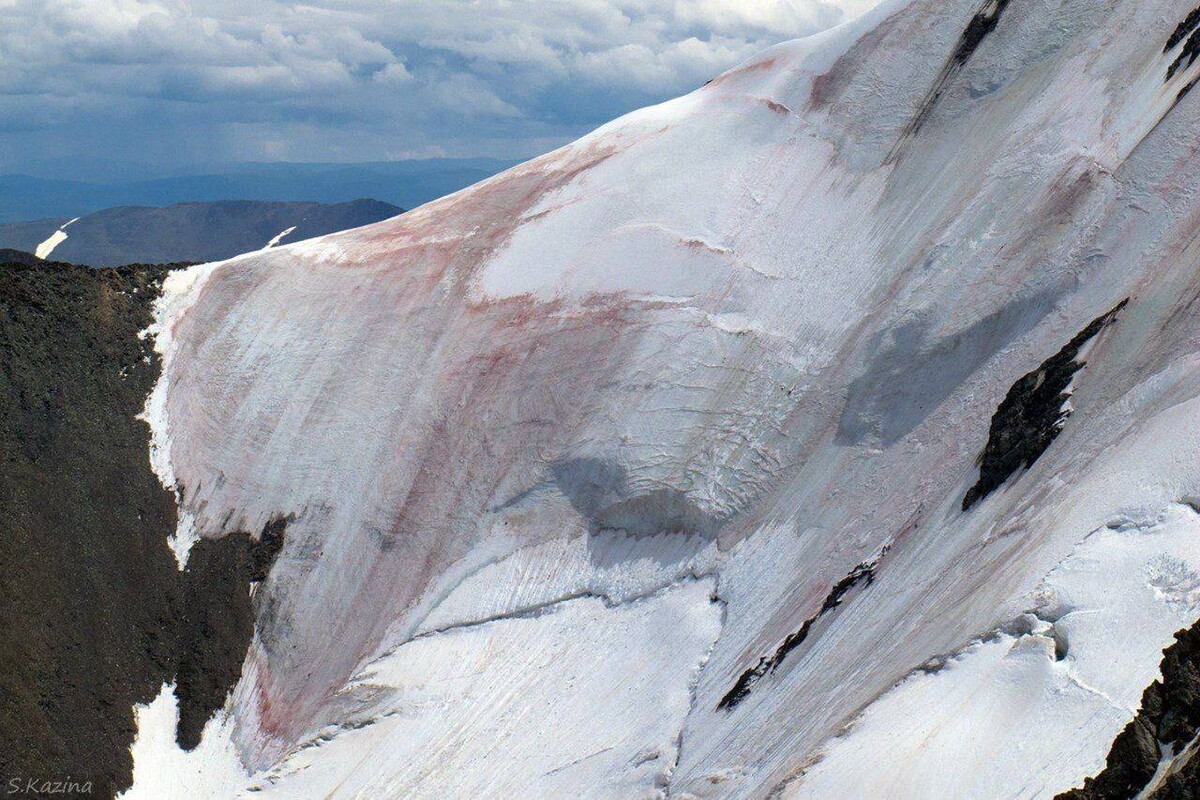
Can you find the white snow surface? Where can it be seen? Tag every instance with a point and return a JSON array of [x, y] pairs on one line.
[[55, 239], [162, 771], [465, 713], [1012, 715], [731, 346]]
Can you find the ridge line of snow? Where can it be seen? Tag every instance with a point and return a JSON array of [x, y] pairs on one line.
[[180, 290], [694, 684], [549, 606]]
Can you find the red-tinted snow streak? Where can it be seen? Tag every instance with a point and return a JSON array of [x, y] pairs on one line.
[[299, 359]]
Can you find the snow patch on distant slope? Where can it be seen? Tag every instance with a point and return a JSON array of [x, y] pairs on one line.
[[58, 237], [277, 238]]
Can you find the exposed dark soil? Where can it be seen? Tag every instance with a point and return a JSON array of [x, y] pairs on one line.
[[94, 612]]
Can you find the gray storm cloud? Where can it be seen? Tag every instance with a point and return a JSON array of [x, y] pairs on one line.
[[216, 79]]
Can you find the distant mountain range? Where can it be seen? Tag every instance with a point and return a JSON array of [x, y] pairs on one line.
[[407, 184], [209, 231]]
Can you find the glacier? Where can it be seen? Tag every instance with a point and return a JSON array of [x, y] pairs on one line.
[[645, 468]]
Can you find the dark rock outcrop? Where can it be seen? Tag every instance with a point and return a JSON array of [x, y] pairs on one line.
[[9, 256], [1169, 717], [982, 24], [95, 613], [1032, 414], [218, 622], [862, 575]]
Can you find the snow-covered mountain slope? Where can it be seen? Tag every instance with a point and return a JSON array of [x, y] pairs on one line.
[[828, 432]]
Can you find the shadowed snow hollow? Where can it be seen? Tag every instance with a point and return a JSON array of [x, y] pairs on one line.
[[640, 469]]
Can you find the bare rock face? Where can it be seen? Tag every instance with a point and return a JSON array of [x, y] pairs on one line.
[[1154, 756], [86, 622], [1032, 414], [828, 432], [97, 615]]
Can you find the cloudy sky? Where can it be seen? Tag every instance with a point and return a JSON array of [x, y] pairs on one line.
[[194, 81]]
